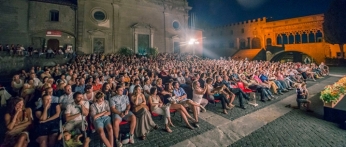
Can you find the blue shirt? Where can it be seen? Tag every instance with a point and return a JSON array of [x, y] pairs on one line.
[[119, 102], [179, 92], [263, 78], [79, 88]]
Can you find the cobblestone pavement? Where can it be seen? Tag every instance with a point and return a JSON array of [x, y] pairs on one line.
[[296, 128], [238, 112]]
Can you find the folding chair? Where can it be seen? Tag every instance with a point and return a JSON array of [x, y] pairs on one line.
[[252, 93]]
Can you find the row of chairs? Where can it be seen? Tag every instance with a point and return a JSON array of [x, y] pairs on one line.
[[241, 86]]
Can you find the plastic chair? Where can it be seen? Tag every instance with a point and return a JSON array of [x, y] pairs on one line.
[[214, 101], [248, 91]]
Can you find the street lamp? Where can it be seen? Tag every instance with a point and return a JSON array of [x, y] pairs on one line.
[[193, 42]]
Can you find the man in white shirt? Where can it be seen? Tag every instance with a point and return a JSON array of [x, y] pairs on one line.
[[67, 98], [75, 113], [37, 81]]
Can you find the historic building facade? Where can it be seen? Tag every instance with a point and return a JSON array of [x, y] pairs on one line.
[[97, 25], [247, 39]]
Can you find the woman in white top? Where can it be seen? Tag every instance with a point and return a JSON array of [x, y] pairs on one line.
[[157, 107], [197, 95], [147, 88], [89, 94], [17, 84]]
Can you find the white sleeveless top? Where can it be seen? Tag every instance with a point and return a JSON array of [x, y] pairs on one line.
[[197, 97], [89, 100], [18, 85]]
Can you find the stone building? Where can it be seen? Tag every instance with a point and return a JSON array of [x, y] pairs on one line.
[[97, 25], [268, 39]]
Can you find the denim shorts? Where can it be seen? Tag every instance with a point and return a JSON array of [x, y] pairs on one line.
[[102, 122], [126, 117]]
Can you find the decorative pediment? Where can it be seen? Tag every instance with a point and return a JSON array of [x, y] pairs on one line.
[[96, 32], [142, 26], [175, 37]]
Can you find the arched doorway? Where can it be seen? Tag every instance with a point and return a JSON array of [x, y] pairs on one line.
[[290, 56], [256, 43], [53, 44], [269, 41], [242, 44]]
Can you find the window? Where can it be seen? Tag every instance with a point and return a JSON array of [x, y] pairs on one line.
[[231, 32], [176, 25], [54, 15], [242, 30], [99, 16]]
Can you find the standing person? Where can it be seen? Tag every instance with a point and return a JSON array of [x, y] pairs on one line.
[[30, 49], [120, 107], [100, 114], [17, 120], [48, 125]]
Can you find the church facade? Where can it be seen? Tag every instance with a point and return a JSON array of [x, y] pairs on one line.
[[92, 26]]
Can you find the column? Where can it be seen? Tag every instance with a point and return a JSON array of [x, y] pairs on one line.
[[301, 38]]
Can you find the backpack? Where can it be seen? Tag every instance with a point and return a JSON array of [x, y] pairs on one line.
[[125, 138]]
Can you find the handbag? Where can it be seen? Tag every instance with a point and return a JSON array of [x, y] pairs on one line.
[[172, 99]]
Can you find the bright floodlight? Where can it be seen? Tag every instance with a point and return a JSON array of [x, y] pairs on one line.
[[193, 41]]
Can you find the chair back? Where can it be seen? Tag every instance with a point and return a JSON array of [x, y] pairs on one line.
[[241, 85]]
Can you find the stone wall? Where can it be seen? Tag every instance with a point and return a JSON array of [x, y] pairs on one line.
[[11, 65], [14, 22], [39, 18]]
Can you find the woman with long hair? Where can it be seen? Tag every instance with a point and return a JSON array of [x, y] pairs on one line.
[[156, 106], [197, 95], [144, 121], [89, 94], [17, 120], [106, 89]]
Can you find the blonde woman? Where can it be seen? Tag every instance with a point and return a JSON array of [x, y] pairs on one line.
[[197, 95]]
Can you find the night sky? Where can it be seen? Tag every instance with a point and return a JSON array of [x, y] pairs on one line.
[[222, 12]]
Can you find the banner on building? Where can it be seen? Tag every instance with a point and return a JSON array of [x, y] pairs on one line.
[[53, 33]]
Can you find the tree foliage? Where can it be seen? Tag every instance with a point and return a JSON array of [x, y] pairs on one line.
[[334, 23]]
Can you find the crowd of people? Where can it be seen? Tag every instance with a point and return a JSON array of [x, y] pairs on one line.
[[101, 92], [20, 50]]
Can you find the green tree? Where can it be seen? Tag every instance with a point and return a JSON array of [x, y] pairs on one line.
[[334, 24]]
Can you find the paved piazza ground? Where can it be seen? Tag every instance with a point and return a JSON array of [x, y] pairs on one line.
[[269, 124]]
